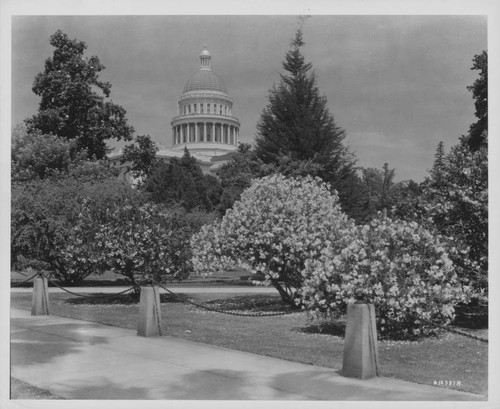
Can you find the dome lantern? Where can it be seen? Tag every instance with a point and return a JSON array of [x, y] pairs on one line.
[[205, 58]]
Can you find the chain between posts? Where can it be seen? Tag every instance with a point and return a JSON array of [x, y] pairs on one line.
[[188, 301], [24, 281], [222, 311], [89, 296], [229, 312], [71, 292]]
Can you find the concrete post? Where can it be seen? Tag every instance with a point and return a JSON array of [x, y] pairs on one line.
[[40, 302], [360, 342], [149, 312]]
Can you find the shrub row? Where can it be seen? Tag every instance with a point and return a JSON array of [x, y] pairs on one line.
[[293, 232]]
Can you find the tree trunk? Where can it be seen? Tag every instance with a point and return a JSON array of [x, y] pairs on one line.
[[285, 297]]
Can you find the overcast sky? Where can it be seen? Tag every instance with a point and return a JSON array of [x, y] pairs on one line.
[[396, 84]]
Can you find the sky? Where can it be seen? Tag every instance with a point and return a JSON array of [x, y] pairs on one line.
[[396, 84]]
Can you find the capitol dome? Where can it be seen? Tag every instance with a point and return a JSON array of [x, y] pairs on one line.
[[205, 80], [205, 124]]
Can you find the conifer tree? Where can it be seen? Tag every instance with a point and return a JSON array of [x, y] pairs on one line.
[[437, 168], [478, 131], [297, 125]]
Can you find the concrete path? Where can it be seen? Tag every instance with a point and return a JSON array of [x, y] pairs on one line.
[[82, 360], [175, 289]]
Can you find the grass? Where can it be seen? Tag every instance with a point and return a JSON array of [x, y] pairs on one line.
[[446, 357]]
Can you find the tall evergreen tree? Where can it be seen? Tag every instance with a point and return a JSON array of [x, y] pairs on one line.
[[478, 131], [437, 168], [297, 125], [74, 102]]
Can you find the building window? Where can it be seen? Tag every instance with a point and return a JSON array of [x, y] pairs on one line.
[[195, 108], [208, 108], [201, 108]]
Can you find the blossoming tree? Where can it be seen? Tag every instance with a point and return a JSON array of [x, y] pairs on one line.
[[400, 267], [273, 229]]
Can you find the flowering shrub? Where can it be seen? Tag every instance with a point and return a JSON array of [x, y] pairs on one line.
[[277, 224], [143, 242], [400, 267], [208, 253]]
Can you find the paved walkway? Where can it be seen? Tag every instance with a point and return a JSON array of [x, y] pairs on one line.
[[82, 360], [175, 289]]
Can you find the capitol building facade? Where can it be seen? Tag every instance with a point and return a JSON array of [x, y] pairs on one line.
[[204, 123]]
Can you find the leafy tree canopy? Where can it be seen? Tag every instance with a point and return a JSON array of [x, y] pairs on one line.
[[454, 201], [141, 241], [142, 157], [74, 102], [236, 175], [45, 211], [181, 181], [34, 155]]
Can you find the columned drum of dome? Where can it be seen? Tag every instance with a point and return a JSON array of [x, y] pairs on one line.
[[205, 123]]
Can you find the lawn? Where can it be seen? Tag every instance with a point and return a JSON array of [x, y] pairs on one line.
[[461, 361]]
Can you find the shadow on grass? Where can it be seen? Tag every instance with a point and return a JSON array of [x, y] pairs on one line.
[[121, 299], [471, 316], [255, 303], [335, 328]]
